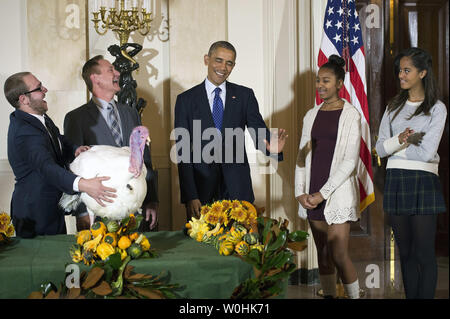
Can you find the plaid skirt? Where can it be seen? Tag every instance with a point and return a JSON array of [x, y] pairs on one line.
[[412, 192]]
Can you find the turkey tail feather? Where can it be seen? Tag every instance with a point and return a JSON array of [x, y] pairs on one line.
[[69, 202]]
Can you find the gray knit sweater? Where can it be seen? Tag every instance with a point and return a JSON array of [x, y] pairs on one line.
[[407, 156]]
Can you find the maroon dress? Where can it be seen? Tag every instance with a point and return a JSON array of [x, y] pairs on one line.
[[323, 136]]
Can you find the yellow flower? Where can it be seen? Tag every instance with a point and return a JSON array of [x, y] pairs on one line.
[[4, 219], [3, 228], [249, 207], [223, 218], [212, 218], [83, 236], [75, 253], [238, 214], [10, 231], [216, 208], [235, 204], [205, 209], [226, 204]]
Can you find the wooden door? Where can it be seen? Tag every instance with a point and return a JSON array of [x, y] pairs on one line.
[[424, 24]]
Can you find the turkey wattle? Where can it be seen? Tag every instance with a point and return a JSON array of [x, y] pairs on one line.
[[124, 166]]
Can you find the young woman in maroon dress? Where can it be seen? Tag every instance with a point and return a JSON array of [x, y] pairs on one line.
[[326, 185]]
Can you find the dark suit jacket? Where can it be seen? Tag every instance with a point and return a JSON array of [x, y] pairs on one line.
[[200, 180], [40, 175], [86, 126]]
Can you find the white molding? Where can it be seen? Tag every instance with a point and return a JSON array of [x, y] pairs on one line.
[[5, 167]]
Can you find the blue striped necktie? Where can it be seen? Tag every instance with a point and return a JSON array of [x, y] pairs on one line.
[[114, 125], [217, 112]]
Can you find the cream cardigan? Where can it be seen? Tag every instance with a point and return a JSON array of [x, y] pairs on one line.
[[341, 191]]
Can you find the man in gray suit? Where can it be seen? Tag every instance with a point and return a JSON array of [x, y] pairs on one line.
[[104, 121]]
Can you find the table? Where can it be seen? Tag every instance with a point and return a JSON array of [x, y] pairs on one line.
[[203, 272]]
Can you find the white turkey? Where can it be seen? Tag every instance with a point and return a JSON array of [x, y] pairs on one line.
[[124, 166]]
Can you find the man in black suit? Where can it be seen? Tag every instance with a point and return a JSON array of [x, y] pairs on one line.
[[38, 155], [216, 166], [103, 121]]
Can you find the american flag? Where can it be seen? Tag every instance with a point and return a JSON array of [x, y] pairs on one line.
[[342, 36]]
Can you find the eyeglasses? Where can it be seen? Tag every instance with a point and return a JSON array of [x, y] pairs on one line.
[[39, 88]]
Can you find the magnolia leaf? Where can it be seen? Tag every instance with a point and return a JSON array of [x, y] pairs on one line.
[[298, 235], [267, 227], [284, 257], [297, 246], [127, 271], [36, 295], [138, 277], [52, 295], [114, 261], [279, 242], [74, 293], [93, 277], [103, 289]]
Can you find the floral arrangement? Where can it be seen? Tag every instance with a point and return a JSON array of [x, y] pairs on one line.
[[111, 279], [236, 227], [109, 237], [272, 264], [6, 228], [229, 225]]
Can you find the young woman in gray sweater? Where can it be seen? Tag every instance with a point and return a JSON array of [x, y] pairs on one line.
[[409, 135]]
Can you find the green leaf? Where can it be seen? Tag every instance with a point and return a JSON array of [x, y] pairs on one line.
[[254, 258], [114, 261], [266, 231], [284, 257], [279, 242], [298, 236]]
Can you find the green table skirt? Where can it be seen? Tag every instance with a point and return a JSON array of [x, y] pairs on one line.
[[198, 267]]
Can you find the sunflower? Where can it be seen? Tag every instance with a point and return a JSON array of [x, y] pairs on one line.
[[216, 208], [10, 231], [235, 204], [212, 218], [238, 214], [223, 218], [205, 209], [249, 208], [226, 204], [4, 219]]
